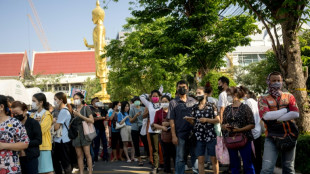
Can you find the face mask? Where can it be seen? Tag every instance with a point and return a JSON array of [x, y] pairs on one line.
[[19, 117], [56, 104], [220, 88], [182, 91], [77, 102], [137, 103], [230, 99], [276, 85], [155, 99], [165, 105], [200, 97], [119, 108], [99, 104], [34, 106]]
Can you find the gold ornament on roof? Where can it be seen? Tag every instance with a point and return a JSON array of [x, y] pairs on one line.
[[99, 44]]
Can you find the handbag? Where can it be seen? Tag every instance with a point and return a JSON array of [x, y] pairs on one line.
[[222, 153], [235, 141], [119, 126], [89, 129], [144, 125]]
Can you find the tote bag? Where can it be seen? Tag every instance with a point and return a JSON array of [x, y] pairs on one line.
[[222, 153], [89, 129]]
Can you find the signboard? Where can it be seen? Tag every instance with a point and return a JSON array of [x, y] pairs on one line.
[[75, 90]]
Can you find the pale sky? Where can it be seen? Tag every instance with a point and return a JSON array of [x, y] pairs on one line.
[[65, 22]]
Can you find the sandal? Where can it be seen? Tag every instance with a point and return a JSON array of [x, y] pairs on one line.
[[141, 163]]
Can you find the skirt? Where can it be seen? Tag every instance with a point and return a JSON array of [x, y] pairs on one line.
[[45, 161]]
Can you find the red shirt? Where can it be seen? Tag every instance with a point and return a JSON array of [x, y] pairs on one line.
[[160, 115]]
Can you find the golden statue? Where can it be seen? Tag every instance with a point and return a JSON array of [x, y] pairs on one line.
[[99, 44]]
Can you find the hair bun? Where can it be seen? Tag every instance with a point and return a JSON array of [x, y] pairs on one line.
[[208, 84]]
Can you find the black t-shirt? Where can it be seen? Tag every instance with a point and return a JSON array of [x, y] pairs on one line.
[[99, 123]]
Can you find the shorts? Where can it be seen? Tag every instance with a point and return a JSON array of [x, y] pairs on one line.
[[201, 147], [45, 161], [126, 133]]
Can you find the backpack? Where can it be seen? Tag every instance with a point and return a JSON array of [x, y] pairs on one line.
[[72, 127]]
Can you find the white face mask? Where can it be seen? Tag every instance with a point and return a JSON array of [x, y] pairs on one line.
[[119, 108], [34, 106], [56, 104], [77, 102], [99, 104], [165, 105], [230, 99]]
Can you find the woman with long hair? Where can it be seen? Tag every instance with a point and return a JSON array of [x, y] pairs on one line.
[[123, 117], [81, 144], [62, 147], [13, 138], [29, 157], [116, 138], [45, 118]]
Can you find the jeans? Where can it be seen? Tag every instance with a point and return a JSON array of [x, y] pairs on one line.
[[180, 155], [135, 135], [101, 135], [246, 155], [271, 155]]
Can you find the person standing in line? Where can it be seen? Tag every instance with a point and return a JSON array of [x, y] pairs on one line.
[[153, 105], [81, 144], [251, 101], [204, 116], [238, 121], [62, 144], [45, 118], [223, 85], [136, 119], [161, 122], [99, 117], [181, 130], [28, 157], [123, 117], [116, 138], [278, 110]]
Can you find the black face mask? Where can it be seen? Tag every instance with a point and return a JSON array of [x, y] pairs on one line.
[[182, 91], [220, 88], [19, 117], [200, 98]]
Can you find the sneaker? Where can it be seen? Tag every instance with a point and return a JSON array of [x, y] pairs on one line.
[[75, 170], [154, 171], [186, 168]]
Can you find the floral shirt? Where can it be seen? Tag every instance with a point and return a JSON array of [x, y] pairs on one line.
[[11, 131], [239, 117], [204, 131]]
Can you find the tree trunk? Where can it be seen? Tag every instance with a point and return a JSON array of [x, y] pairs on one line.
[[294, 76]]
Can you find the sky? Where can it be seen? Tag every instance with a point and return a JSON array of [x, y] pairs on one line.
[[65, 23]]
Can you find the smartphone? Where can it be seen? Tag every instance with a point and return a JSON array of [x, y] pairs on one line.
[[168, 128]]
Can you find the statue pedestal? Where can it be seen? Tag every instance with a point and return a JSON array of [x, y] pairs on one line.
[[103, 97]]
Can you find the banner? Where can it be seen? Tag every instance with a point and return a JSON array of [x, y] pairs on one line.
[[75, 90]]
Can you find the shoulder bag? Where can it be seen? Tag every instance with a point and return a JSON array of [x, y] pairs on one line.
[[88, 128]]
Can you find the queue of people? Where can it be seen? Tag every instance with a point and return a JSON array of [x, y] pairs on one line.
[[55, 140]]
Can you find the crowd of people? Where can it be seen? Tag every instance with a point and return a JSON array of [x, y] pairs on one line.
[[50, 139]]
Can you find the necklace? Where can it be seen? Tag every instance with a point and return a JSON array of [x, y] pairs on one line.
[[234, 112]]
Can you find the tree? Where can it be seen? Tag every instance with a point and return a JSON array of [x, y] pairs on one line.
[[139, 65], [254, 75], [287, 16], [91, 86]]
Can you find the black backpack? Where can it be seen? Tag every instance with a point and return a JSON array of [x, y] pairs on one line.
[[73, 127]]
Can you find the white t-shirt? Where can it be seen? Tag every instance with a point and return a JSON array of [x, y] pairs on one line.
[[222, 101], [152, 111], [213, 100], [257, 131]]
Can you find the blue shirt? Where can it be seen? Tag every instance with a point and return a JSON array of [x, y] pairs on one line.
[[112, 127], [120, 117], [64, 117]]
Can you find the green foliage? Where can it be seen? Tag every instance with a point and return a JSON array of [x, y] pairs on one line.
[[139, 66], [195, 30], [213, 77], [254, 75], [92, 86]]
